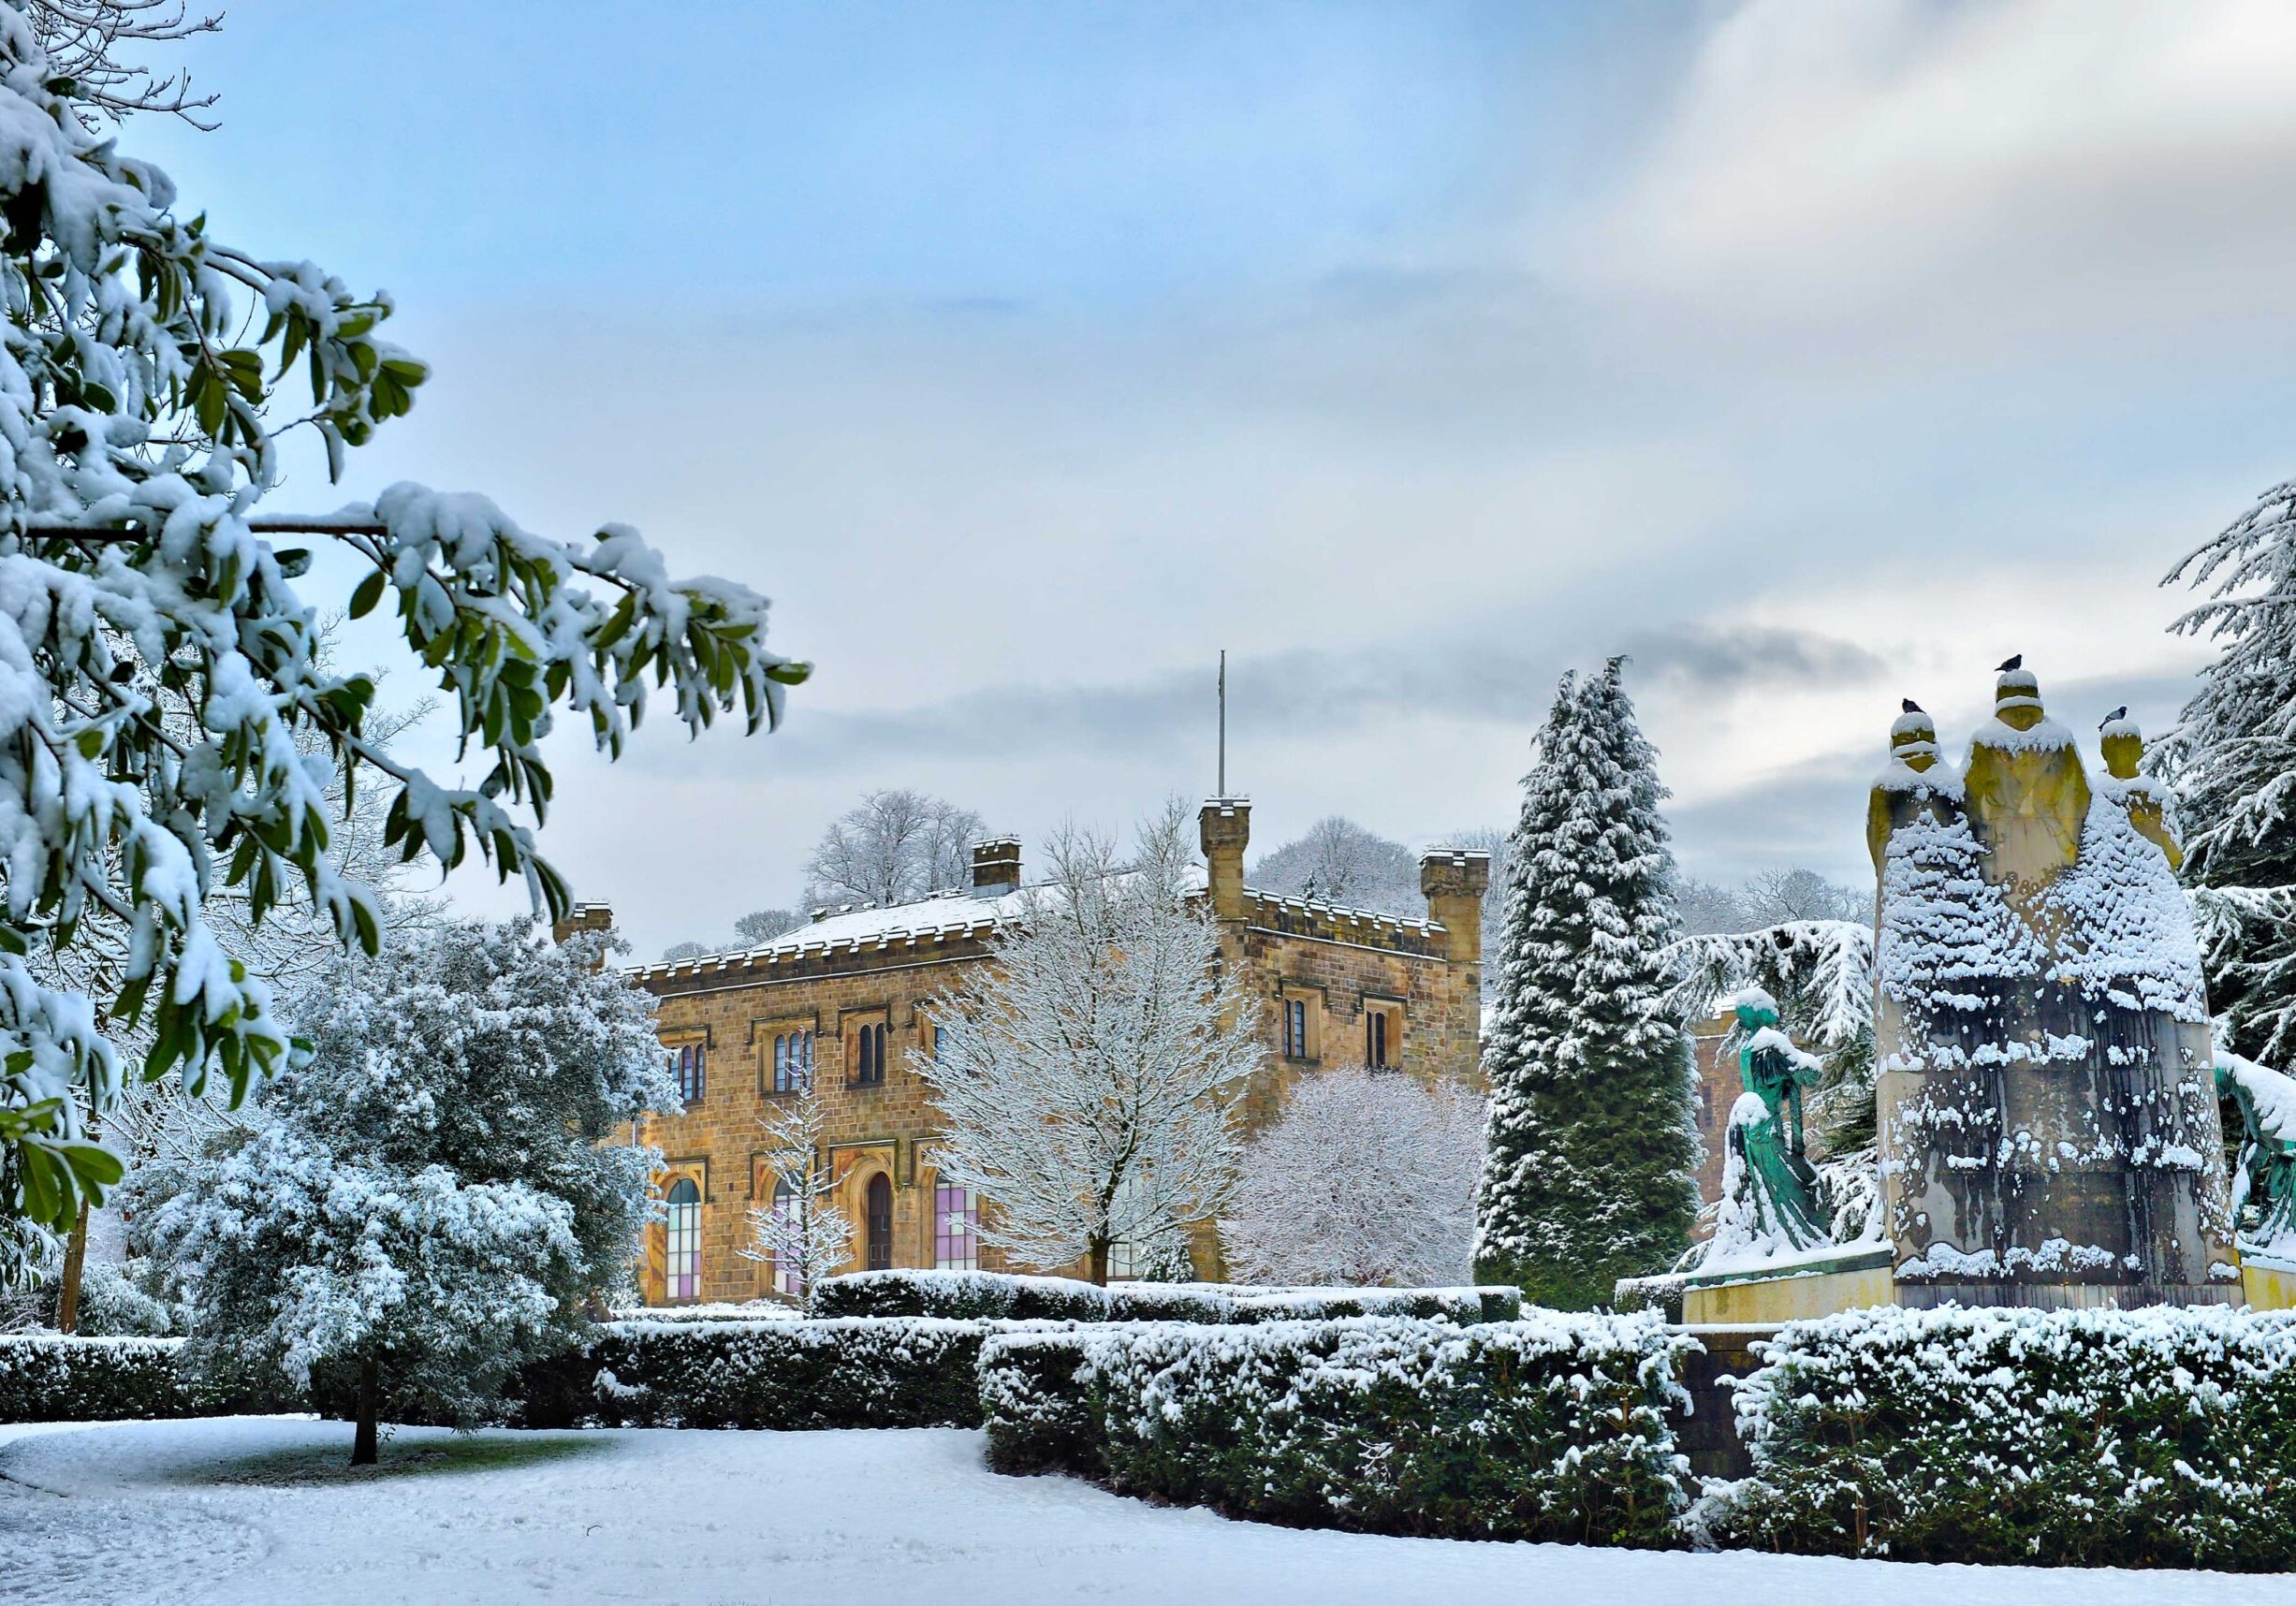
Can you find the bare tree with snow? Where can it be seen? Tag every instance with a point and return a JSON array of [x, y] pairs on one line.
[[1338, 861], [800, 1233], [892, 847], [1777, 897], [1367, 1180], [1085, 1077]]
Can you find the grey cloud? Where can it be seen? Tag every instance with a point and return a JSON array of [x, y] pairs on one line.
[[1307, 693]]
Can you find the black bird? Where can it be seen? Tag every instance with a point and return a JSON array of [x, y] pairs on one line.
[[2119, 713], [2015, 661], [1909, 706]]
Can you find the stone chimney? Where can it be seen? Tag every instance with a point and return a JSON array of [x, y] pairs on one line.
[[582, 918], [996, 867], [1454, 880], [1225, 828]]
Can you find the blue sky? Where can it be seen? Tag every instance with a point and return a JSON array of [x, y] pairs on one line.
[[1029, 355]]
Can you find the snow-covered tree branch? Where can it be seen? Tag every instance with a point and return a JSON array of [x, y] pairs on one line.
[[892, 847], [1086, 1074], [144, 389]]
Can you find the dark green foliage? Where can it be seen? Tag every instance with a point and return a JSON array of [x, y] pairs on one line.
[[856, 1372], [972, 1295], [2159, 1438], [49, 1378], [1588, 1177], [1550, 1429]]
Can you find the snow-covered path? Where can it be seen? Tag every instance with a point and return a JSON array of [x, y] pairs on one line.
[[255, 1510]]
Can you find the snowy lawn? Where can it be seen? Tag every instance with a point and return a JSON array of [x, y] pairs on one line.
[[257, 1509]]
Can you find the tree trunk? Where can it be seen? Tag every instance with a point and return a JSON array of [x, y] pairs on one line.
[[370, 1392], [1097, 1259], [75, 1258]]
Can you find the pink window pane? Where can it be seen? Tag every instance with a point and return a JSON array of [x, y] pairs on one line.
[[957, 1221]]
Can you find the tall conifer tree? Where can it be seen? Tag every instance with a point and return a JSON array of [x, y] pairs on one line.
[[1589, 1172]]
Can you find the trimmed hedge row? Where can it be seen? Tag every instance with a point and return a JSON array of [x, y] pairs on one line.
[[50, 1378], [999, 1297], [1552, 1428], [2153, 1438]]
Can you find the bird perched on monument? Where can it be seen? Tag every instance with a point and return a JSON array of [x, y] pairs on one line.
[[2015, 661], [1908, 705], [2119, 713]]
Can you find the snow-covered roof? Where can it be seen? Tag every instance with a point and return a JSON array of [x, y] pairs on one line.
[[957, 913]]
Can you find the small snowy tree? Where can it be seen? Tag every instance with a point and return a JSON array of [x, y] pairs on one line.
[[1588, 1171], [432, 1200], [1084, 1075], [800, 1233], [892, 847], [2233, 764], [1337, 861], [148, 379], [1368, 1179]]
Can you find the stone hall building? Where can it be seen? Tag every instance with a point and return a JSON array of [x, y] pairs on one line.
[[843, 997]]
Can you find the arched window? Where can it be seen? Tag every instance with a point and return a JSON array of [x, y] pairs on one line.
[[684, 1266], [868, 1064], [686, 1064], [877, 1223], [793, 1061], [786, 1277], [957, 1228]]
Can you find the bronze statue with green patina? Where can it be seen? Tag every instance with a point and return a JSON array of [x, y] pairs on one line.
[[1776, 1186], [2267, 1171]]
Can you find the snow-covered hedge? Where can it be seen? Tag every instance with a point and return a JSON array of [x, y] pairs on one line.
[[997, 1296], [1550, 1428], [53, 1377], [2156, 1437], [748, 1310], [848, 1372]]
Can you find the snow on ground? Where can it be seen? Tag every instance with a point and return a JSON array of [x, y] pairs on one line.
[[259, 1509]]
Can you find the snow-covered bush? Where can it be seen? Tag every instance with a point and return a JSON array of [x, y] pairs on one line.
[[853, 1372], [1553, 1428], [961, 1295], [749, 1310], [1367, 1177], [2154, 1438], [53, 1377], [434, 1202]]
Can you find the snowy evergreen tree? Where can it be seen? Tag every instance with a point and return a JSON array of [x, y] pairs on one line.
[[150, 375], [800, 1232], [2233, 764], [1085, 1076], [431, 1199], [1589, 1167], [1367, 1179]]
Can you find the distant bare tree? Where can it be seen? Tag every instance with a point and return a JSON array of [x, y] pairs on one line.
[[1776, 896], [760, 925], [1709, 908], [1338, 861], [892, 847], [677, 951]]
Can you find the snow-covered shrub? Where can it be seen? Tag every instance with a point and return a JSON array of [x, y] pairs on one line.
[[2154, 1438], [979, 1295], [749, 1310], [1367, 1177], [852, 1372], [54, 1378], [1553, 1428], [435, 1201]]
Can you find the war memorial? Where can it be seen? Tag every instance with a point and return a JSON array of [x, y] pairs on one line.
[[2046, 1092]]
